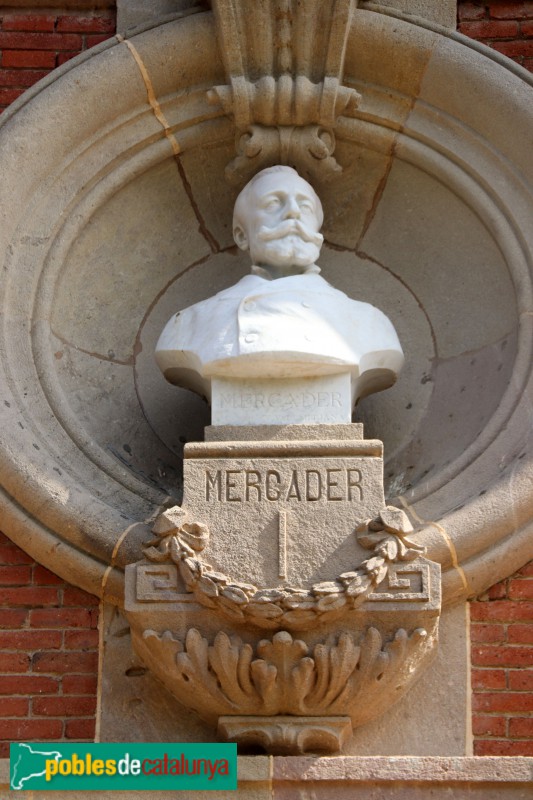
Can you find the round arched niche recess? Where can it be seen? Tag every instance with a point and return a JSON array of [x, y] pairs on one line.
[[107, 230]]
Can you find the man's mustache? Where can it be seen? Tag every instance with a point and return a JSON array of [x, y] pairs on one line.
[[287, 228]]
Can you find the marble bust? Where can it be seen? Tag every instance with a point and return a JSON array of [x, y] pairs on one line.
[[282, 321]]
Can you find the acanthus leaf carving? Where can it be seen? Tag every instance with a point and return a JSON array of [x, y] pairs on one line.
[[285, 675]]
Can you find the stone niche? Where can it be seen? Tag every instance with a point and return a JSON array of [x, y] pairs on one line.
[[124, 216]]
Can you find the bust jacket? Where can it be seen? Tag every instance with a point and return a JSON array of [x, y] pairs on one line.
[[295, 326]]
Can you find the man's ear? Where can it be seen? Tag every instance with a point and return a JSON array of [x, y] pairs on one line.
[[241, 240]]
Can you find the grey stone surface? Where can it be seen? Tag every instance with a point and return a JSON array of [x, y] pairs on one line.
[[443, 12], [132, 13], [262, 778], [241, 499], [222, 433]]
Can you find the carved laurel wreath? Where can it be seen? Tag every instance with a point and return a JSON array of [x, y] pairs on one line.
[[182, 542]]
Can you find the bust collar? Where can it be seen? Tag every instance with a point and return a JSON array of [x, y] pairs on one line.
[[261, 272]]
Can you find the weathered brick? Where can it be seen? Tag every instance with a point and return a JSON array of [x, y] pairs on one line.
[[471, 11], [498, 591], [30, 640], [28, 595], [485, 632], [86, 24], [521, 728], [28, 684], [79, 684], [502, 702], [483, 679], [8, 96], [500, 656], [488, 29], [510, 10], [81, 640], [80, 729], [521, 588], [22, 78], [28, 22], [526, 29], [77, 597], [13, 617], [489, 726], [10, 553], [40, 41], [91, 40], [59, 662], [521, 680], [502, 747], [14, 574], [63, 706], [520, 634], [60, 618], [501, 611], [43, 577], [14, 707], [28, 729], [45, 59], [14, 662], [516, 48], [62, 58]]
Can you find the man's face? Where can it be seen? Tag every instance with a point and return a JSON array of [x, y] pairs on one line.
[[281, 222]]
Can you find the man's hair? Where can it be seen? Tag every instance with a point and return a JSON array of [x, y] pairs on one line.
[[242, 201]]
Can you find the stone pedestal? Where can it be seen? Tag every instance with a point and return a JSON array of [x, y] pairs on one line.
[[432, 720], [284, 511], [259, 604]]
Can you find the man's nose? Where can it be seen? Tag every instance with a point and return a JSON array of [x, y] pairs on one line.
[[292, 209]]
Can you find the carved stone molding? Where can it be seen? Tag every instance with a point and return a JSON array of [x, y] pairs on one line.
[[284, 62], [287, 735], [354, 675], [341, 650], [182, 542], [309, 146]]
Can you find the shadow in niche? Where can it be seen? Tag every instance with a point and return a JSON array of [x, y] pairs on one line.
[[467, 390]]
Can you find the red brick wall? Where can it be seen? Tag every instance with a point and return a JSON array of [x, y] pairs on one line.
[[35, 41], [502, 621], [48, 654], [505, 26], [502, 667]]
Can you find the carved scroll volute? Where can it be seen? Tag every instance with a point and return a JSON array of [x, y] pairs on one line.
[[284, 61]]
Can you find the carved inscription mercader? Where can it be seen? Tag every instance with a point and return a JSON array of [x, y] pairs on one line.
[[271, 485]]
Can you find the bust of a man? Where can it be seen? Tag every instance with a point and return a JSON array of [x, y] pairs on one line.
[[283, 320]]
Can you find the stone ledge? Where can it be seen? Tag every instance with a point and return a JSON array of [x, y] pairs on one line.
[[403, 769], [293, 777]]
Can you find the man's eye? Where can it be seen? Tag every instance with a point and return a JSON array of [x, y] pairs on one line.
[[306, 206], [273, 204]]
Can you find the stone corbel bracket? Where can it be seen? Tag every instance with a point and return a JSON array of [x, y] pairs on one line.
[[338, 653], [284, 90]]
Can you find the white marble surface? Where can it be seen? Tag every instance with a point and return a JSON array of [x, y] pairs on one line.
[[284, 320], [292, 401]]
